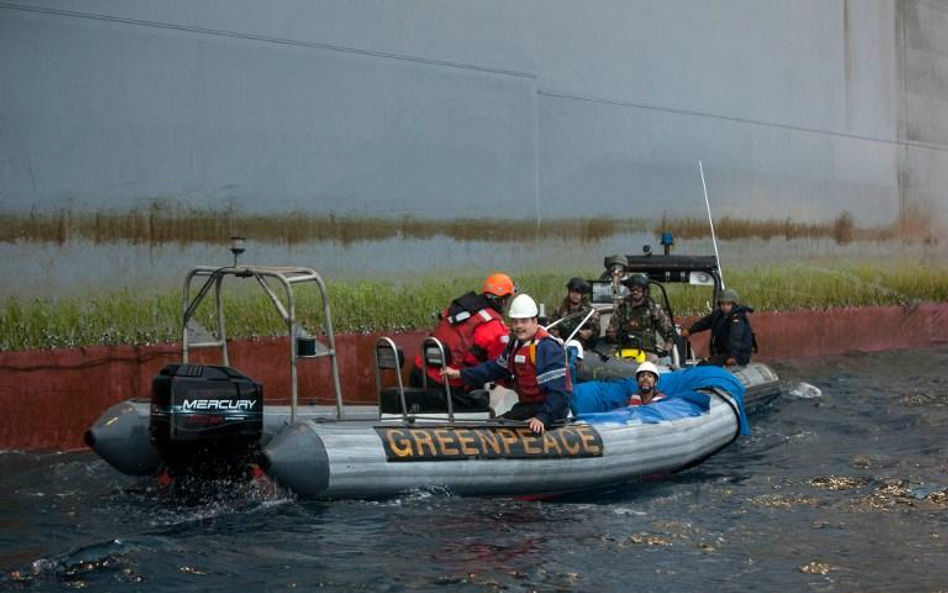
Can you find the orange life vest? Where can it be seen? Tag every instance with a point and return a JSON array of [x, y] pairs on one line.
[[456, 333], [523, 365]]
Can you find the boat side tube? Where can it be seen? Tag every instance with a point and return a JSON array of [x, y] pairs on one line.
[[121, 437], [736, 408], [297, 455], [333, 460]]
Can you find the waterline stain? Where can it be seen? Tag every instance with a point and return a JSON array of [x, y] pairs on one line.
[[161, 223]]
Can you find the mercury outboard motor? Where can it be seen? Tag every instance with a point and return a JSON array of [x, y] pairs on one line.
[[205, 420]]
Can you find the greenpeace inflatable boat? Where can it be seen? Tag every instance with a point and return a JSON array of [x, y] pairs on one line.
[[603, 445], [213, 420]]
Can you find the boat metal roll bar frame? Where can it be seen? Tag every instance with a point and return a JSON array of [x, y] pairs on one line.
[[432, 354], [388, 358], [287, 277]]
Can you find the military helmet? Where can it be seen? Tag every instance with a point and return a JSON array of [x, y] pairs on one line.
[[640, 280], [577, 284], [616, 260], [728, 296]]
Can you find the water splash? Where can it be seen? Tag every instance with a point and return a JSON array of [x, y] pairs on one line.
[[804, 391]]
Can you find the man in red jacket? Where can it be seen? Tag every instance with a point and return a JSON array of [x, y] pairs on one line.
[[472, 330], [536, 361]]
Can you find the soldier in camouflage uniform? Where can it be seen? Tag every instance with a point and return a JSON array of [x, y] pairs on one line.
[[638, 321], [576, 304]]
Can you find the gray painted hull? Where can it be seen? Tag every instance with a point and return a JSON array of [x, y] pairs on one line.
[[531, 109]]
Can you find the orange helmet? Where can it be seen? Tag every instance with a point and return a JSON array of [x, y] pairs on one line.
[[498, 285]]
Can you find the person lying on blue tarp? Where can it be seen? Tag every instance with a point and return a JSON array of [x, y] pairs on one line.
[[646, 376], [611, 401]]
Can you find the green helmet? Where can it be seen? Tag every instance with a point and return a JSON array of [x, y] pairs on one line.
[[728, 296], [616, 260], [640, 280], [577, 284]]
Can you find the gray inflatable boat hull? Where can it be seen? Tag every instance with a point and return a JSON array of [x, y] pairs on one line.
[[334, 460], [339, 459]]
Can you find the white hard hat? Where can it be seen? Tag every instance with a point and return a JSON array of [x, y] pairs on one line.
[[523, 307], [647, 367]]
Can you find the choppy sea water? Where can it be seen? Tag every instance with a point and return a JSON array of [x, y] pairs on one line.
[[845, 490]]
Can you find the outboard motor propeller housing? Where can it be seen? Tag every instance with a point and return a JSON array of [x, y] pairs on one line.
[[205, 420]]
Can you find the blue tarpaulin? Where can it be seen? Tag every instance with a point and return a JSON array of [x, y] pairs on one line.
[[606, 401]]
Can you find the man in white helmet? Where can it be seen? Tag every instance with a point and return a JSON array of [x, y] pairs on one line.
[[647, 378], [537, 363]]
